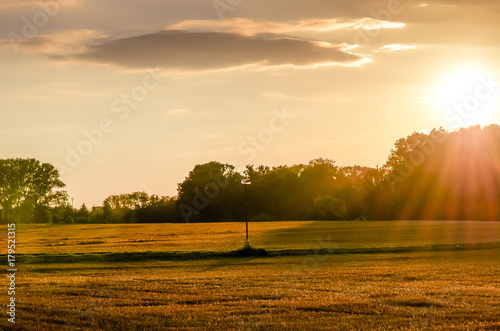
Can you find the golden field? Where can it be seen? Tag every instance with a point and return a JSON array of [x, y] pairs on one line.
[[201, 237], [427, 290]]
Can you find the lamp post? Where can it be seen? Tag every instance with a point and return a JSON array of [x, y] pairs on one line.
[[246, 182]]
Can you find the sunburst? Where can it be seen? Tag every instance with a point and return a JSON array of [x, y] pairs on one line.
[[467, 96]]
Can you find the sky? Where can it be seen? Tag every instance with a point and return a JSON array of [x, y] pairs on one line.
[[126, 96]]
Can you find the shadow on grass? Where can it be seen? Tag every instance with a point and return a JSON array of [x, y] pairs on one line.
[[241, 253]]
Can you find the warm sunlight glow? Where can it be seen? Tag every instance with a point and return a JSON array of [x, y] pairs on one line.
[[467, 96]]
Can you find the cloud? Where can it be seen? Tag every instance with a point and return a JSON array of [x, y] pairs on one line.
[[251, 28], [59, 43], [395, 47], [7, 4], [199, 51]]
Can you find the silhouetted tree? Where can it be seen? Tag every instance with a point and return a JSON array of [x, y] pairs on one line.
[[211, 192], [328, 208], [352, 190], [82, 215], [434, 175], [453, 175], [371, 192], [30, 188]]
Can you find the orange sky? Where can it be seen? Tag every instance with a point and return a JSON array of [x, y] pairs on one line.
[[130, 95]]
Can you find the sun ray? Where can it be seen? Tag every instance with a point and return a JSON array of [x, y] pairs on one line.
[[467, 96]]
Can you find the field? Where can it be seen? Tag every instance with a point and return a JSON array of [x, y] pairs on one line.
[[49, 239], [409, 275]]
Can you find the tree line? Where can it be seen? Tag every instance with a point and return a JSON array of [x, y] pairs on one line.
[[433, 175]]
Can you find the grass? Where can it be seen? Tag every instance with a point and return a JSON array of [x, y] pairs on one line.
[[426, 290], [327, 282], [225, 237]]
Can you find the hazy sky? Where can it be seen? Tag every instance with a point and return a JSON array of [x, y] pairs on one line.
[[129, 95]]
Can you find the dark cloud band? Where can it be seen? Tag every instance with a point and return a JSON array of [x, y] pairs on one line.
[[211, 51]]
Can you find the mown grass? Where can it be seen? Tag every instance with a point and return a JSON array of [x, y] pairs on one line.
[[418, 276], [224, 237], [411, 291]]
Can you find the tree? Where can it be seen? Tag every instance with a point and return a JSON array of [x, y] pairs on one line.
[[406, 149], [82, 215], [371, 188], [211, 192], [328, 208], [452, 175], [158, 210], [130, 201], [27, 184], [319, 177], [352, 189]]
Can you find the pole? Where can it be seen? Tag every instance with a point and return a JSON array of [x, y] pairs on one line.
[[246, 208]]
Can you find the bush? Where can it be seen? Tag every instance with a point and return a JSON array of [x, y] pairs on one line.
[[250, 251]]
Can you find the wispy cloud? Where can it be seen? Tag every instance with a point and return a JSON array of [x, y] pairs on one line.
[[59, 43], [7, 4], [251, 28], [396, 47]]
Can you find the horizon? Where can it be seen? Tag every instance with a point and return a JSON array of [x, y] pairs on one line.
[[120, 107]]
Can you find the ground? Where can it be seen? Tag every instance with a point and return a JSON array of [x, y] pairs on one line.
[[320, 275]]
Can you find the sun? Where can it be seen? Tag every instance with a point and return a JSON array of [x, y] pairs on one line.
[[467, 96]]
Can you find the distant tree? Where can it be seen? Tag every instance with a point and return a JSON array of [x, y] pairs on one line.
[[68, 219], [61, 212], [406, 149], [159, 210], [328, 208], [371, 193], [128, 201], [351, 188], [82, 215], [259, 196], [100, 215], [435, 175], [211, 192], [275, 193], [319, 177], [285, 193], [42, 214], [136, 207], [29, 187], [455, 176]]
